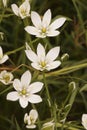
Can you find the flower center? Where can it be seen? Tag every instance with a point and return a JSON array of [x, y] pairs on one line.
[[43, 64], [32, 120], [23, 92], [23, 12], [6, 78], [43, 30]]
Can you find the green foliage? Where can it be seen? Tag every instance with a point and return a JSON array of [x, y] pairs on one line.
[[67, 85]]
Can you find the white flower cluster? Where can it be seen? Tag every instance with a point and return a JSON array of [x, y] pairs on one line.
[[25, 91], [42, 26]]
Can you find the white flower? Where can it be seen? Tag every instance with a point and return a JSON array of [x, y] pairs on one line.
[[30, 119], [3, 58], [42, 61], [23, 10], [4, 3], [84, 121], [6, 77], [44, 27], [25, 91]]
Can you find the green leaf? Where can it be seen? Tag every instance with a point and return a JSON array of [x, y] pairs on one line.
[[67, 107], [73, 96], [72, 86], [48, 128], [17, 125], [84, 88]]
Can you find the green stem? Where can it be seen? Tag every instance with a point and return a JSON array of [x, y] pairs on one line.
[[31, 43], [5, 90], [20, 67], [55, 116], [84, 100], [67, 98], [66, 70], [16, 50], [47, 92], [68, 127], [20, 48]]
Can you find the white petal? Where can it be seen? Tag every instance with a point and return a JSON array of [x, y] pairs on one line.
[[47, 18], [31, 30], [26, 79], [58, 23], [36, 66], [35, 87], [52, 33], [41, 35], [84, 117], [34, 98], [23, 102], [15, 9], [31, 126], [53, 54], [24, 7], [4, 59], [1, 52], [17, 85], [36, 19], [40, 51], [33, 113], [84, 120], [31, 55], [53, 65], [25, 118], [4, 3], [13, 96]]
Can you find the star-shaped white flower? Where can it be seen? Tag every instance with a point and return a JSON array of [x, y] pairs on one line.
[[3, 58], [43, 26], [24, 91], [22, 11], [42, 61], [6, 77], [30, 119], [84, 121]]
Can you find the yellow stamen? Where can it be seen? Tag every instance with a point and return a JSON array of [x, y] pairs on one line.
[[6, 78], [43, 63], [43, 30], [23, 12], [23, 92], [31, 119]]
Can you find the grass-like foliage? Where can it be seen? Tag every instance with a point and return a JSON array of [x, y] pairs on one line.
[[43, 64]]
